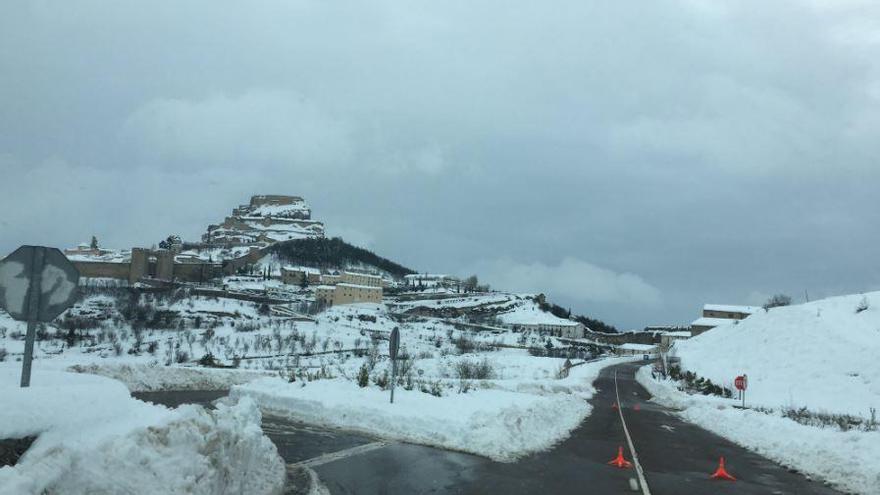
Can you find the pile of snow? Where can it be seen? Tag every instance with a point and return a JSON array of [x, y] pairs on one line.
[[92, 437], [821, 355], [496, 423], [531, 314], [848, 459], [150, 378]]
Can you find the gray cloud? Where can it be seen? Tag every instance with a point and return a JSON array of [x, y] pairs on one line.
[[257, 126], [636, 162], [571, 279]]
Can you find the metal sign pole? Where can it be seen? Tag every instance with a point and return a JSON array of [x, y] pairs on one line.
[[34, 294], [393, 377], [393, 347]]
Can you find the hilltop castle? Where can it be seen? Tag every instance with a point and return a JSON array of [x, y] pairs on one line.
[[240, 241], [267, 219]]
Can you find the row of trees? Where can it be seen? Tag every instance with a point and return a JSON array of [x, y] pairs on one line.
[[591, 323]]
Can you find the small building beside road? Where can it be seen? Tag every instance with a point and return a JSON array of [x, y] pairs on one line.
[[667, 339], [637, 350]]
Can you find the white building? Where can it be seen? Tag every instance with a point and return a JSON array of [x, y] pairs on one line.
[[649, 350], [429, 280], [531, 318]]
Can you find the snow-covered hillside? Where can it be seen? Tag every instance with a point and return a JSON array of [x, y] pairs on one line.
[[813, 393], [821, 355]]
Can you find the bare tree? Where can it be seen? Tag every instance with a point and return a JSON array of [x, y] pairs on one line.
[[777, 301], [471, 283]]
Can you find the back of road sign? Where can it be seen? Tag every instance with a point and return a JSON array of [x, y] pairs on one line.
[[37, 268]]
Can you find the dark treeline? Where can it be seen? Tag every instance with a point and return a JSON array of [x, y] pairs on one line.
[[333, 253], [594, 325]]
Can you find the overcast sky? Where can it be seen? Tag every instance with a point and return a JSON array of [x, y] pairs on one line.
[[633, 160]]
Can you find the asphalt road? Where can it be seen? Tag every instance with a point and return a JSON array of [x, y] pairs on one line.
[[676, 457]]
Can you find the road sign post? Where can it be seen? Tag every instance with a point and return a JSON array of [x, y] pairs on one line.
[[742, 383], [393, 347], [36, 285]]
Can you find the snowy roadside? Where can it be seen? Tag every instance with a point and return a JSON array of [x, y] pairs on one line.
[[848, 459], [493, 422], [92, 437]]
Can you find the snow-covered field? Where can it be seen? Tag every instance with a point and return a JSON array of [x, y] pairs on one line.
[[816, 362], [92, 437]]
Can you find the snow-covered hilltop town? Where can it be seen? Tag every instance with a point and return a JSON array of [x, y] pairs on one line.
[[285, 323]]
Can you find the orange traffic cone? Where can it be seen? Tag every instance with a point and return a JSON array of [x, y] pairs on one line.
[[637, 407], [614, 405], [619, 461], [721, 473]]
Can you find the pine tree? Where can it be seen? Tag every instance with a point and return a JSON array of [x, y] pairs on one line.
[[363, 377]]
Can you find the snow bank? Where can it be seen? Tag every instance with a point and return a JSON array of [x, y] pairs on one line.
[[147, 378], [94, 438], [497, 424], [822, 355], [500, 424], [846, 459]]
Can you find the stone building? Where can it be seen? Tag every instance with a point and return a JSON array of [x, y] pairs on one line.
[[334, 295], [295, 276], [352, 293], [324, 294], [720, 314], [361, 279]]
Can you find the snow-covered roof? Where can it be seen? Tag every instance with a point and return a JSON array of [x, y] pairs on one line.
[[677, 334], [637, 347], [711, 322], [729, 308], [531, 315], [306, 269], [105, 255], [363, 275], [279, 210]]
